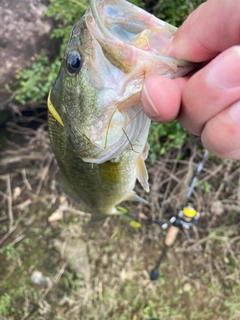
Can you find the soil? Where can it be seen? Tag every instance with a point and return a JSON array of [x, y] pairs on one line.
[[25, 32], [55, 263]]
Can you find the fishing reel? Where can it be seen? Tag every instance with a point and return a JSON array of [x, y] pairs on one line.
[[186, 217]]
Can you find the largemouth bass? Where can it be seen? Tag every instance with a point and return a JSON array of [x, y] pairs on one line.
[[97, 128]]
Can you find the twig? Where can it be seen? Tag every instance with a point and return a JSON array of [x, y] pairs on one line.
[[25, 180], [10, 213], [224, 180], [221, 272], [44, 174], [18, 239], [166, 193], [8, 196], [54, 281], [22, 205], [32, 156], [10, 231]]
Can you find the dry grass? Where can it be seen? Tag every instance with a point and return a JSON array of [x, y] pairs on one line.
[[199, 278]]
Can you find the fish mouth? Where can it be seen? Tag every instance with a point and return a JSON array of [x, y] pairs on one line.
[[120, 26]]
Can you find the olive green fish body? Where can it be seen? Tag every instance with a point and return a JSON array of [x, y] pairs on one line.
[[97, 127], [101, 186]]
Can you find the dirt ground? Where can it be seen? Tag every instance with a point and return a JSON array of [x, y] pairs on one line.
[[57, 264]]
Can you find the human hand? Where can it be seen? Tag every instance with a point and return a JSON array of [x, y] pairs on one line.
[[208, 102]]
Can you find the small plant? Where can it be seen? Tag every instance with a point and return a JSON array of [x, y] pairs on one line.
[[150, 311], [9, 251], [5, 303], [174, 13], [66, 13], [8, 302], [206, 186], [34, 83], [163, 137]]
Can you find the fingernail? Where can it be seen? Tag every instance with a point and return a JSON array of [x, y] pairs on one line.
[[151, 110], [224, 74], [234, 112]]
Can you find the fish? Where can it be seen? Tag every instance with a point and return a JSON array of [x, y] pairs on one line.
[[97, 127]]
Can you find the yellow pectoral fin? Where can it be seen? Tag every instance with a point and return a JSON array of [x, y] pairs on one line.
[[142, 174], [135, 224], [53, 110]]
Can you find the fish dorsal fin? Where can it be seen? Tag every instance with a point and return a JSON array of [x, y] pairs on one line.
[[141, 170]]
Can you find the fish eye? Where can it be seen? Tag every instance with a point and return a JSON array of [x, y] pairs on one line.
[[73, 62]]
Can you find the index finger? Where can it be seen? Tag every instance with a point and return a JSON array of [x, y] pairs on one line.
[[212, 28]]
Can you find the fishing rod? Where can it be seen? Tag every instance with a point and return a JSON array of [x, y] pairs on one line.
[[185, 218]]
